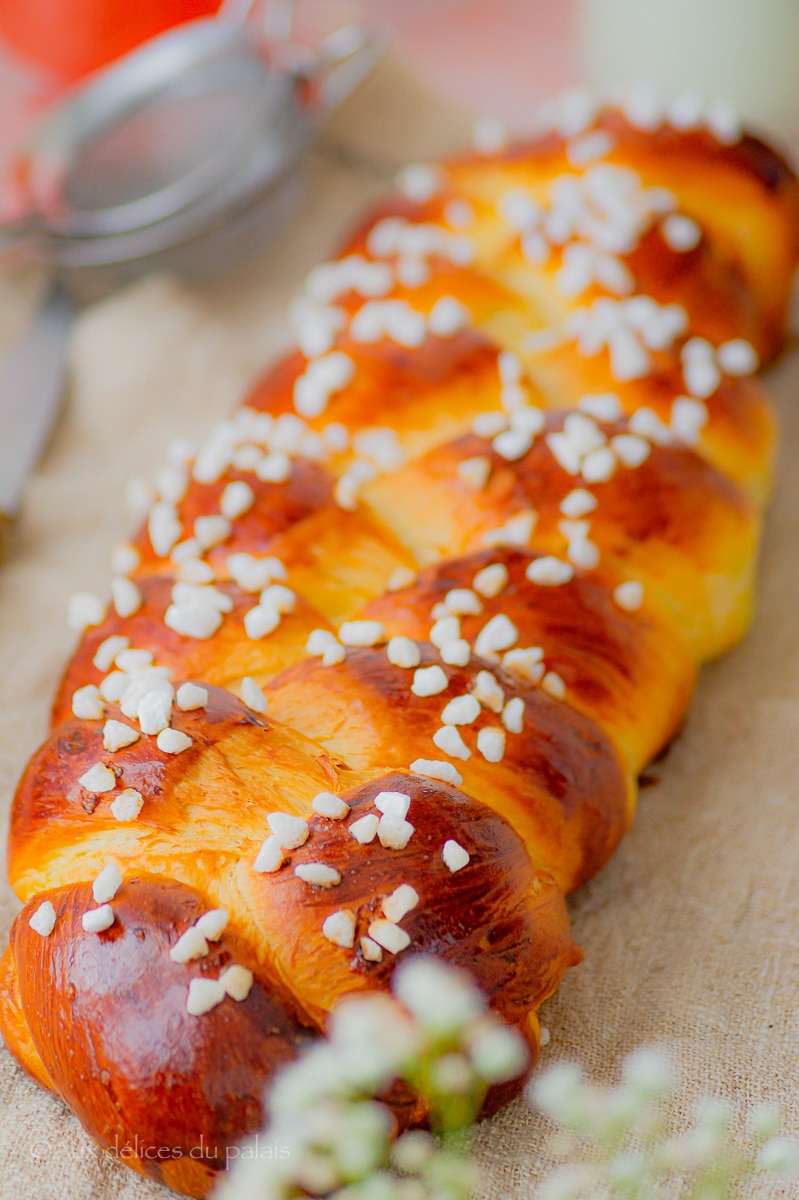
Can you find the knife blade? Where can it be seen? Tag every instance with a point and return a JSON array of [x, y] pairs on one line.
[[31, 386]]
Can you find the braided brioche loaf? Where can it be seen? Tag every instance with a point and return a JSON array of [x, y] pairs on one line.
[[385, 660]]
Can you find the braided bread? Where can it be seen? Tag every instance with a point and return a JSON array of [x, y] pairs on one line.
[[393, 645]]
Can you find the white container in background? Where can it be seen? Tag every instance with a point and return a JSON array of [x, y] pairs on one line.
[[743, 51]]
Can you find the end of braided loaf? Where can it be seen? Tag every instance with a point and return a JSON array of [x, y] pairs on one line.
[[102, 1019], [394, 644]]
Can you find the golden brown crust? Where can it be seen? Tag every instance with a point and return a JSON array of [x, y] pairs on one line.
[[146, 1073], [738, 437], [713, 290], [495, 448], [427, 395], [559, 784], [497, 916], [222, 661], [744, 194], [277, 507], [673, 522], [606, 657], [16, 1031], [198, 806]]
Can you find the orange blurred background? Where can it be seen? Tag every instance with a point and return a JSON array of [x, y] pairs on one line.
[[72, 37]]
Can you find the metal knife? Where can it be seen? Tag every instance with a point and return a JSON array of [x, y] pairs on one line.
[[31, 387]]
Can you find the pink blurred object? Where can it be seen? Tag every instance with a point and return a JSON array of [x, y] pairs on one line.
[[497, 58]]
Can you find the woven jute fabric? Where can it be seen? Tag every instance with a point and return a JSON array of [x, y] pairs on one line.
[[691, 933]]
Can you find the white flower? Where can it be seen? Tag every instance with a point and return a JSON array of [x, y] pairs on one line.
[[452, 1075], [558, 1091], [441, 998], [780, 1156], [765, 1119], [361, 1143], [412, 1151], [570, 1182], [373, 1039], [316, 1173], [497, 1052], [438, 1036], [627, 1171], [648, 1073], [624, 1111], [312, 1077]]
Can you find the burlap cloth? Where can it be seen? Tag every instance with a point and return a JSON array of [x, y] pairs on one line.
[[691, 933]]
